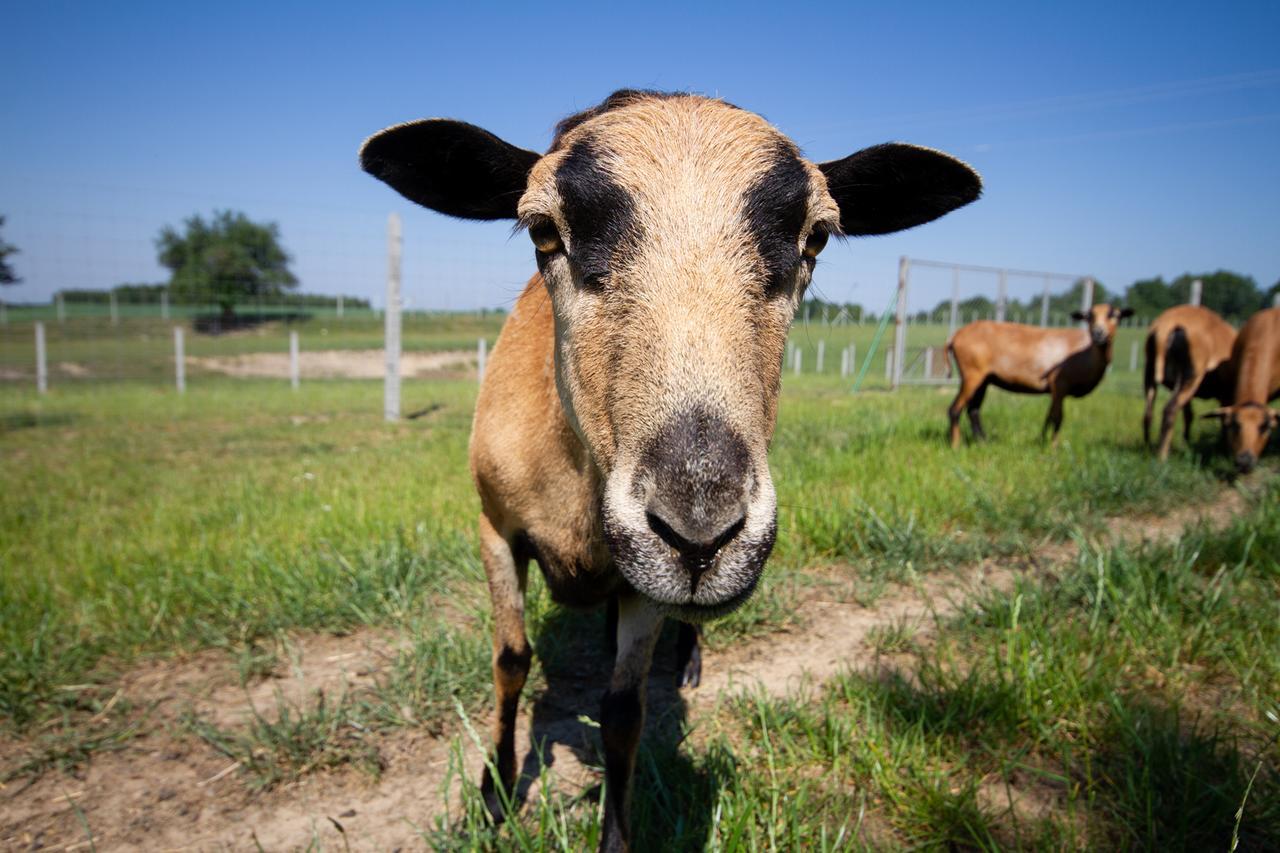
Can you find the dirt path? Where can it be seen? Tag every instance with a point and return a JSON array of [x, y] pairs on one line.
[[337, 364], [166, 790]]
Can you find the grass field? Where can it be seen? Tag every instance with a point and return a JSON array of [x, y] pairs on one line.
[[1128, 698]]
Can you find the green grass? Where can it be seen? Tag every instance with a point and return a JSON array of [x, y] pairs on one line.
[[136, 523], [141, 347]]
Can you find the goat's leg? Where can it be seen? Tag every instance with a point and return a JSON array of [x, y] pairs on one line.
[[507, 573], [622, 714], [975, 419], [967, 389], [1150, 392], [1188, 417], [689, 655], [1181, 398], [1053, 421]]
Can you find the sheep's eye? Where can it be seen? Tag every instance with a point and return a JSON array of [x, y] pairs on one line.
[[545, 237], [815, 243]]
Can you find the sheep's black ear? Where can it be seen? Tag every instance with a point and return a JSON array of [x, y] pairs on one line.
[[890, 187], [451, 167], [1079, 315], [1126, 312]]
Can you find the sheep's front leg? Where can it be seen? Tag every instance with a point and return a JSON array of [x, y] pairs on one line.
[[622, 714], [507, 573]]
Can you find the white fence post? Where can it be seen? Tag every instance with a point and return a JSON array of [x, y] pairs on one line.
[[1086, 295], [928, 363], [844, 363], [1002, 297], [1197, 287], [482, 348], [42, 364], [797, 357], [1275, 300], [391, 329], [179, 361], [822, 346], [1133, 357], [115, 309], [293, 360], [900, 325]]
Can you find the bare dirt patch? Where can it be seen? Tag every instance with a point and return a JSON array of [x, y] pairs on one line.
[[336, 364], [168, 790]]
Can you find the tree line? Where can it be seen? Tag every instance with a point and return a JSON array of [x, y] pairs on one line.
[[1231, 294]]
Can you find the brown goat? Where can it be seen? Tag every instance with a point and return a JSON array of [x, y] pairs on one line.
[[621, 431], [1188, 351], [1256, 358], [1030, 360]]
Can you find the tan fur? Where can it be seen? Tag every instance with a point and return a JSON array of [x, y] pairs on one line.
[[579, 383], [1028, 360], [1256, 358], [1206, 373]]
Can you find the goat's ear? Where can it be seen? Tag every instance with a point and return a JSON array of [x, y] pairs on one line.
[[1219, 414], [451, 167], [1126, 312], [890, 187], [1079, 315]]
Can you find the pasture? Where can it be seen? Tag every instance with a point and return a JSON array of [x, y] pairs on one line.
[[247, 615]]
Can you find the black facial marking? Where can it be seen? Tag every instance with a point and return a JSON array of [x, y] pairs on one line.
[[599, 212], [775, 209]]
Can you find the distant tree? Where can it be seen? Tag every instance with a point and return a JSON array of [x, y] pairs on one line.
[[1149, 296], [1269, 298], [1229, 293], [226, 260], [7, 275]]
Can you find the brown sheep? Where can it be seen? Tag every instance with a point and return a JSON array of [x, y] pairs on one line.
[[1188, 350], [1248, 421], [1030, 360], [621, 430]]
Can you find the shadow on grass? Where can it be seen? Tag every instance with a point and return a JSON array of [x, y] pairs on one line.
[[1142, 774], [14, 421], [673, 798]]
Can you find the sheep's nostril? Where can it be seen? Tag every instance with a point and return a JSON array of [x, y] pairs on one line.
[[697, 550]]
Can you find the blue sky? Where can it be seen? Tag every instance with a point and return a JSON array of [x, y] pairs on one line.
[[1122, 140]]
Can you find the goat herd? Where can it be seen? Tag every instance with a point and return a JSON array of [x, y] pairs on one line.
[[1190, 350]]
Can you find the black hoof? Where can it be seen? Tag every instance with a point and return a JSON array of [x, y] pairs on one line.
[[492, 800]]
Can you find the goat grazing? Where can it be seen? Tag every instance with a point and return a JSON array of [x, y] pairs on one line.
[[1030, 360], [1189, 352], [1248, 421], [621, 431]]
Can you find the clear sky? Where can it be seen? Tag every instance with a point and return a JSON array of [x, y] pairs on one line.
[[1121, 139]]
